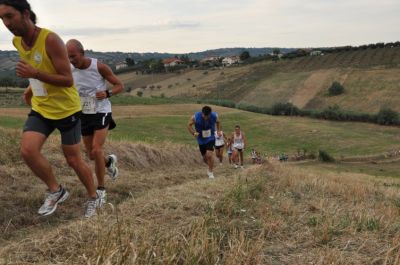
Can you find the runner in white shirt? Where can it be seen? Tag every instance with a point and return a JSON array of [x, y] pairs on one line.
[[219, 146], [239, 144], [90, 78]]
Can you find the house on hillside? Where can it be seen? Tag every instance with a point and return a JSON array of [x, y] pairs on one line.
[[228, 61], [120, 65], [169, 62], [211, 61], [316, 53]]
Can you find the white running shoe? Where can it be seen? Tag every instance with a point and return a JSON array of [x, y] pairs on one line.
[[51, 201], [220, 164], [90, 207], [210, 174], [112, 169], [241, 167], [236, 166], [102, 198]]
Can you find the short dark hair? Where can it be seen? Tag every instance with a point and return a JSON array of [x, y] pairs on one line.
[[21, 6], [206, 110], [237, 126]]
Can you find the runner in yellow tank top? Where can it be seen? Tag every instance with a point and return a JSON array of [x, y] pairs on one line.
[[51, 101], [55, 102]]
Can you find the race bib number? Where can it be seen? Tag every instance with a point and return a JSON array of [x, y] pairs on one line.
[[38, 90], [206, 133], [88, 105]]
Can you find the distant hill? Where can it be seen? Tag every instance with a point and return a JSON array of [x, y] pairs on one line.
[[9, 58], [371, 79]]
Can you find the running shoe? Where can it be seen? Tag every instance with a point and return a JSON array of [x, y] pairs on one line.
[[90, 207], [52, 200], [102, 198], [112, 169]]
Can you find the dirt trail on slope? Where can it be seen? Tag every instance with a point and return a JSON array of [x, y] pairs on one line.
[[311, 87]]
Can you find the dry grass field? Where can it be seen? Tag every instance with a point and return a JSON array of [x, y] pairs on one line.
[[164, 210]]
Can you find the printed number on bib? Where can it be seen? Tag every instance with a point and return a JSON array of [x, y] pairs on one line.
[[88, 105], [38, 90], [206, 133]]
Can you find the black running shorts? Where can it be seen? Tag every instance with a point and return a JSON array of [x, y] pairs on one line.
[[206, 147], [95, 122], [69, 127]]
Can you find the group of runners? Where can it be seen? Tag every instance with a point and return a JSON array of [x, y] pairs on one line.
[[205, 126], [68, 92]]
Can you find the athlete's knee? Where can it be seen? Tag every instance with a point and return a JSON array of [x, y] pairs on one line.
[[28, 152], [96, 151], [73, 160]]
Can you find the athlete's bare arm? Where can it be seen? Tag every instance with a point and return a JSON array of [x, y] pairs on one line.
[[57, 53], [108, 75], [190, 127]]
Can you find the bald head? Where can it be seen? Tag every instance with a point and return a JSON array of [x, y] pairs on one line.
[[75, 44], [76, 54]]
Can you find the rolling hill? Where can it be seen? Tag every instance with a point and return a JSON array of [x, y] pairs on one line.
[[370, 78]]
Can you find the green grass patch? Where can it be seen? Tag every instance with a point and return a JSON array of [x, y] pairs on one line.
[[12, 122], [268, 134], [131, 100]]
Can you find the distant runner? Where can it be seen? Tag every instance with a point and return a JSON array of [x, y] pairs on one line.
[[206, 123], [229, 150], [90, 78], [54, 100], [239, 144], [219, 146]]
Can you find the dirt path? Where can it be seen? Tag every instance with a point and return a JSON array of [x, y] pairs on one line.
[[311, 87]]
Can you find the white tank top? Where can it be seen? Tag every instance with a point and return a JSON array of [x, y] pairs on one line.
[[88, 81], [238, 141], [219, 141]]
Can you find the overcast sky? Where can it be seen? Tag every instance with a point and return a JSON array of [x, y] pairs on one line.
[[181, 26]]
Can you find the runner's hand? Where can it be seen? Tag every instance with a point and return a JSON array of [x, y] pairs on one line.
[[101, 95], [195, 134], [27, 96], [25, 70]]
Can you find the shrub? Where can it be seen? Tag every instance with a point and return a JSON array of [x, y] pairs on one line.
[[139, 93], [325, 157], [387, 116], [159, 86], [170, 86], [287, 109], [335, 89]]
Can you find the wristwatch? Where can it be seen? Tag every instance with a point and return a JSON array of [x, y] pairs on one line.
[[109, 93]]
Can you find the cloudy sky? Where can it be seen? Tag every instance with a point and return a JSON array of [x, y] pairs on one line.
[[181, 26]]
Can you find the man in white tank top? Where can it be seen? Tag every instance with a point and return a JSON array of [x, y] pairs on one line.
[[90, 78], [239, 143], [220, 140]]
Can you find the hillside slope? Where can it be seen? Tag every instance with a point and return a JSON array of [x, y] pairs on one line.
[[370, 78]]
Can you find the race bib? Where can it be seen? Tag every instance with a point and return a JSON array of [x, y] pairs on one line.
[[38, 90], [206, 133], [88, 105]]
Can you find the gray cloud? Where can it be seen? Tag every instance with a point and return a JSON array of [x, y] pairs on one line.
[[95, 31]]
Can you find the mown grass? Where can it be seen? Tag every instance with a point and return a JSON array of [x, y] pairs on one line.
[[11, 122], [378, 169], [270, 135]]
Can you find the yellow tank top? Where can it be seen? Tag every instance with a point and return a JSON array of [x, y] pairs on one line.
[[60, 102]]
